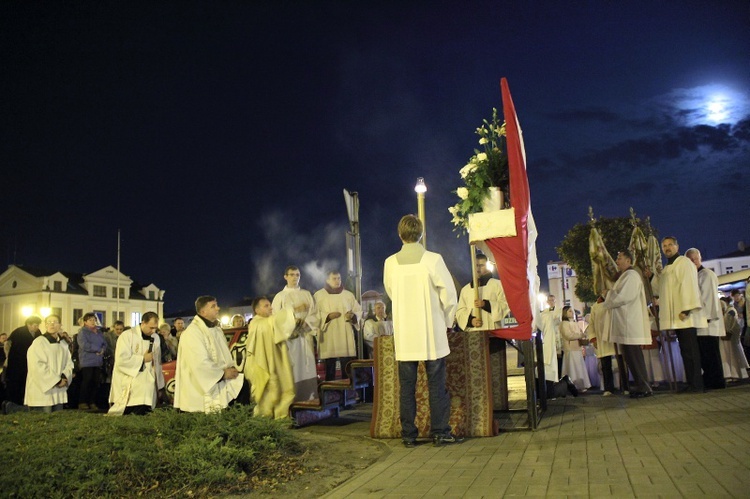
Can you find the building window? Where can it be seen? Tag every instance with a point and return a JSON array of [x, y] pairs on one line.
[[58, 312], [118, 316], [100, 291], [729, 269], [77, 314], [57, 286], [151, 295], [135, 318], [118, 292]]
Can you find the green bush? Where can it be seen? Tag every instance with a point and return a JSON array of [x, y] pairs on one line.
[[164, 453]]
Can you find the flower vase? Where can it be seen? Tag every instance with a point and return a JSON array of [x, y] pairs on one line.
[[494, 201]]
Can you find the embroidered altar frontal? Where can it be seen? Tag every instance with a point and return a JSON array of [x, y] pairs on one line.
[[468, 379]]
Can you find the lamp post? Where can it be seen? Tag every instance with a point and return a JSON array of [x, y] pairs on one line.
[[420, 189]]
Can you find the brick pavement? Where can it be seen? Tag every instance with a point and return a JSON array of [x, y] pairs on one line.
[[669, 445]]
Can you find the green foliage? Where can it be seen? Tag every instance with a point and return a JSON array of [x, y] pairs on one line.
[[485, 169], [574, 248], [164, 453]]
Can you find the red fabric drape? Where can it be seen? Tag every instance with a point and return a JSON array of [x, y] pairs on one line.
[[511, 253]]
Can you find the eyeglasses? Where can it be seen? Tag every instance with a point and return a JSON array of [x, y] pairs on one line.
[[51, 323]]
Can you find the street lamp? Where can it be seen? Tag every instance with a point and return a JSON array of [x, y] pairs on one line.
[[420, 189]]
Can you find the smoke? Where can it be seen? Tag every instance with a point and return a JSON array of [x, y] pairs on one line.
[[314, 249]]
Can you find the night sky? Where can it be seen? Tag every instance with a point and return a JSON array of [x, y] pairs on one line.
[[219, 136]]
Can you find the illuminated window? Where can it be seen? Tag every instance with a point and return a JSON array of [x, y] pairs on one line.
[[135, 318]]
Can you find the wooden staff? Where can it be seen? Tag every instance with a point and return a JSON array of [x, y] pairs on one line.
[[475, 281]]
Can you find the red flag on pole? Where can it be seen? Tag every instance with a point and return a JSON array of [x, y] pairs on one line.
[[515, 257]]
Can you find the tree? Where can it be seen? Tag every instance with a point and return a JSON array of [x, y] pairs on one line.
[[574, 248]]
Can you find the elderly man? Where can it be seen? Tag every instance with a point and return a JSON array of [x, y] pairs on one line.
[[338, 311], [16, 364], [206, 378], [679, 300], [492, 305], [137, 376], [630, 325], [424, 307], [376, 325], [708, 337], [300, 343], [268, 368], [50, 370]]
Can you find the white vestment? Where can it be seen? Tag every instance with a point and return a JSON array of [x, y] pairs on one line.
[[376, 327], [202, 356], [491, 292], [301, 347], [48, 362], [424, 302], [677, 287], [627, 302], [133, 381], [708, 285], [600, 327], [336, 337], [550, 326], [268, 368]]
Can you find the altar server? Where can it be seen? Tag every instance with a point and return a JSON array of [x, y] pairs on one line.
[[492, 305], [50, 370]]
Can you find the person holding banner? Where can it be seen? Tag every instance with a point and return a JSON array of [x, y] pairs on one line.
[[489, 299]]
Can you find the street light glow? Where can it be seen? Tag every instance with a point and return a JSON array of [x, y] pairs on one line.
[[420, 188], [27, 310], [45, 311]]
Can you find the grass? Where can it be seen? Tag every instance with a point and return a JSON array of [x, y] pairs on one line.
[[163, 454]]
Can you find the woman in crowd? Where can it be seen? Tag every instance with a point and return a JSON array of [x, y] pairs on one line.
[[573, 364]]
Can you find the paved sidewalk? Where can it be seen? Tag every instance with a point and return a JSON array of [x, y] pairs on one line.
[[669, 445]]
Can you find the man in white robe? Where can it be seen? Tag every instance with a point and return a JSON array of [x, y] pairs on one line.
[[376, 326], [206, 378], [492, 304], [50, 370], [300, 343], [708, 337], [338, 311], [630, 323], [679, 299], [599, 330], [268, 368], [137, 377], [424, 307]]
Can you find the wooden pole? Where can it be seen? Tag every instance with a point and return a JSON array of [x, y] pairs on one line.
[[475, 281]]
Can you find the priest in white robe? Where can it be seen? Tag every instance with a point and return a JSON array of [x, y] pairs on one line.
[[679, 299], [599, 331], [492, 304], [50, 370], [375, 326], [268, 368], [206, 379], [630, 322], [137, 377], [338, 312], [300, 344], [708, 337]]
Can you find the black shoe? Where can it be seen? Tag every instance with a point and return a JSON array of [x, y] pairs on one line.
[[409, 443], [640, 395], [439, 440], [571, 386]]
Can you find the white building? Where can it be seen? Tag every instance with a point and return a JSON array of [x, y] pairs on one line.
[[735, 261], [562, 281], [109, 294]]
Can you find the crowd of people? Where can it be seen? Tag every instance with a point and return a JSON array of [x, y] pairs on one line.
[[686, 334]]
